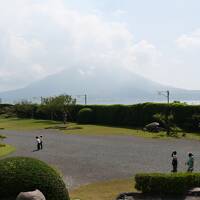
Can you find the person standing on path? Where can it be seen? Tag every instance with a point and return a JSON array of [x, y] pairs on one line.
[[41, 142], [38, 142], [190, 162], [174, 161]]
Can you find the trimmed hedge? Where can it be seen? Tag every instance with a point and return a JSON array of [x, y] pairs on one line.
[[85, 115], [137, 115], [3, 105], [167, 184], [20, 174]]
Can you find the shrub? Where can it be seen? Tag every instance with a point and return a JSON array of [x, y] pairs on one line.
[[85, 115], [27, 174], [167, 121], [25, 109], [2, 145], [137, 115], [167, 184], [7, 110], [195, 122]]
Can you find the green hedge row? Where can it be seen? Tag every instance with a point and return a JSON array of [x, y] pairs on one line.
[[27, 174], [5, 105], [167, 184], [137, 115]]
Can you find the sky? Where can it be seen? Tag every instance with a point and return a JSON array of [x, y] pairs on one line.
[[157, 39]]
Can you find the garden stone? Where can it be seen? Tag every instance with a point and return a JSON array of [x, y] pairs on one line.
[[140, 196], [152, 127], [33, 195], [194, 192], [192, 198]]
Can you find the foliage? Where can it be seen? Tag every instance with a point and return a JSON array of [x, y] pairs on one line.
[[85, 115], [5, 106], [2, 145], [160, 118], [53, 108], [25, 109], [137, 115], [27, 174], [167, 184], [6, 110], [194, 122], [167, 121], [58, 105]]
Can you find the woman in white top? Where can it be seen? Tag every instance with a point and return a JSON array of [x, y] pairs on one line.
[[38, 142]]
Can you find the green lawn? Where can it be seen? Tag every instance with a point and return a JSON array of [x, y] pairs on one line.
[[103, 191], [109, 130], [6, 149], [25, 124], [73, 128]]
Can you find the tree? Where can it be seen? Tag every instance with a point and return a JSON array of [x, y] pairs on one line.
[[59, 104], [25, 109]]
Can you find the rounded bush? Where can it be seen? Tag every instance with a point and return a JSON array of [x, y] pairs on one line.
[[85, 115], [20, 174]]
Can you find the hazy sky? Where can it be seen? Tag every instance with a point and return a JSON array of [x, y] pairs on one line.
[[157, 39]]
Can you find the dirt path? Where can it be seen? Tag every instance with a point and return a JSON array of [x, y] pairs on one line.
[[87, 159]]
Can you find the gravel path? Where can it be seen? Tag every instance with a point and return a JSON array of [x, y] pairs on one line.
[[87, 159]]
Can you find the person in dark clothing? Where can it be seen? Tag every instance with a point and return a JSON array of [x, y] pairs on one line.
[[174, 161]]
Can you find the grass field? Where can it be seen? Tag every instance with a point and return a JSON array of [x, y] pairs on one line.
[[73, 128], [6, 149], [109, 130], [25, 124], [103, 191]]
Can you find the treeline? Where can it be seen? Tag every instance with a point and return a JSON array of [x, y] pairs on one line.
[[138, 115]]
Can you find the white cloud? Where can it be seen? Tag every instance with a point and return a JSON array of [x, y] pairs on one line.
[[23, 49], [42, 38], [191, 40], [118, 13]]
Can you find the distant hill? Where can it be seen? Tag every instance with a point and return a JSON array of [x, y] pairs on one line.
[[110, 87]]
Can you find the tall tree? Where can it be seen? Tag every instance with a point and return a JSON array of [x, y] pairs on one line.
[[59, 103]]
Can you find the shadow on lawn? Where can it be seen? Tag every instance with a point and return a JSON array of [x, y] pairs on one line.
[[64, 127], [115, 126], [47, 122]]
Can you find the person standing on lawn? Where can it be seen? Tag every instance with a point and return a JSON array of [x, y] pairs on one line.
[[174, 161], [190, 162]]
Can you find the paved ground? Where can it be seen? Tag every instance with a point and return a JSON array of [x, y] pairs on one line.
[[87, 159]]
